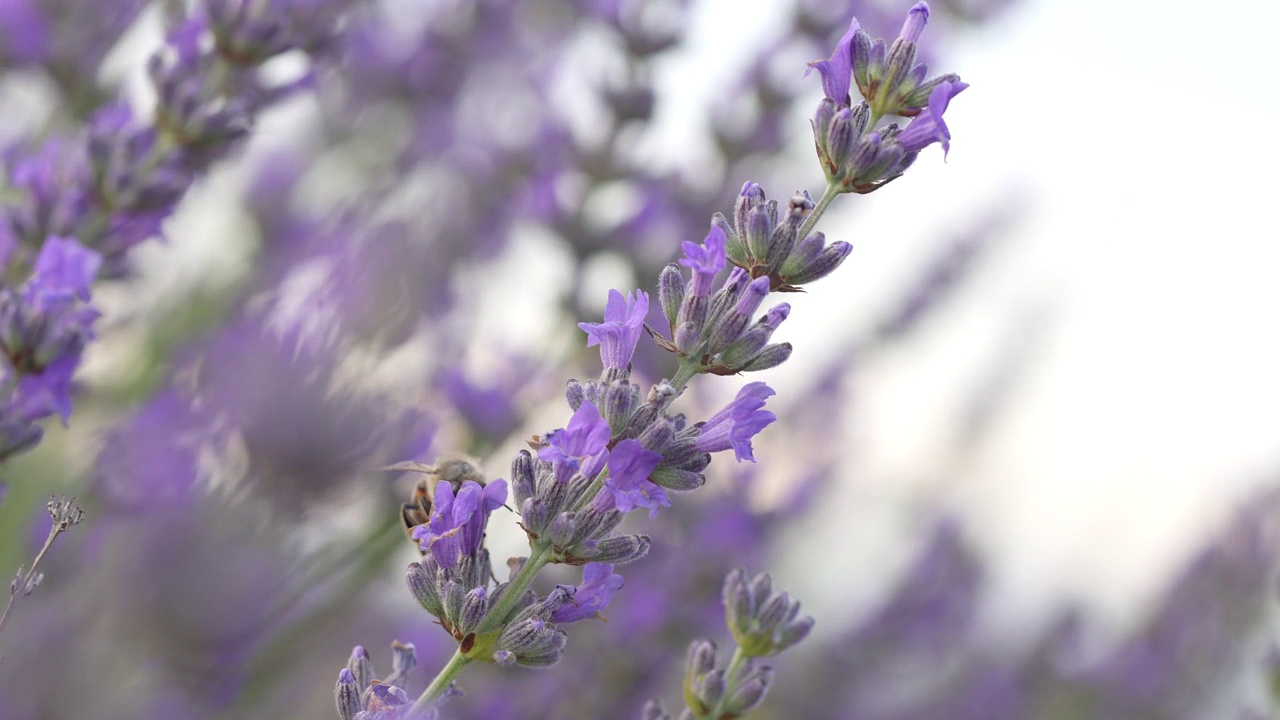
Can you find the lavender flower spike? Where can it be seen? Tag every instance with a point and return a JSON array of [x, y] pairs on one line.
[[735, 425], [618, 334]]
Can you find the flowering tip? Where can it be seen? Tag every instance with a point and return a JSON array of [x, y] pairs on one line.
[[763, 622]]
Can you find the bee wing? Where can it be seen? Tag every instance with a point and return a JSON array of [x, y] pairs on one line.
[[410, 466]]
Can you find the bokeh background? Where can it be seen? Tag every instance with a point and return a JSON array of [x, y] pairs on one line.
[[1026, 458]]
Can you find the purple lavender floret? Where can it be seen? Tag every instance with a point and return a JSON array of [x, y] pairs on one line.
[[837, 70], [579, 447], [735, 425], [928, 127], [627, 486], [706, 260], [599, 584], [618, 334], [457, 522]]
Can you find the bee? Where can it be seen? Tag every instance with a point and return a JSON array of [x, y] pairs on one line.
[[453, 469]]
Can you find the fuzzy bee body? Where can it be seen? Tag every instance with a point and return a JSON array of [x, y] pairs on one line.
[[455, 470]]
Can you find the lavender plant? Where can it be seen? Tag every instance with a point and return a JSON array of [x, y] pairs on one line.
[[619, 453]]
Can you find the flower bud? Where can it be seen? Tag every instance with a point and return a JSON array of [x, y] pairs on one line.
[[532, 641], [616, 550], [658, 435], [562, 529], [762, 621], [687, 337], [575, 393], [677, 480], [735, 320], [422, 585], [751, 196], [360, 666], [757, 231], [474, 609], [708, 689], [670, 292], [620, 400], [826, 262], [346, 695], [749, 693], [770, 357], [743, 350], [523, 484]]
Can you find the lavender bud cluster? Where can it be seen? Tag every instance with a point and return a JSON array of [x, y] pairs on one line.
[[359, 695], [763, 623], [856, 156]]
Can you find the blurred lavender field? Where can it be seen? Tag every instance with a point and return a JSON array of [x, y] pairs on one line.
[[338, 235]]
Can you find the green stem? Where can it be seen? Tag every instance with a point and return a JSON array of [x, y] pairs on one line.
[[730, 684], [833, 189], [497, 615], [538, 557], [441, 683], [688, 368]]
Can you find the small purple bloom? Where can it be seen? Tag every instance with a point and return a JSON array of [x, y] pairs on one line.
[[599, 584], [581, 447], [735, 425], [706, 260], [618, 334], [837, 71], [457, 523], [928, 127], [628, 486]]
